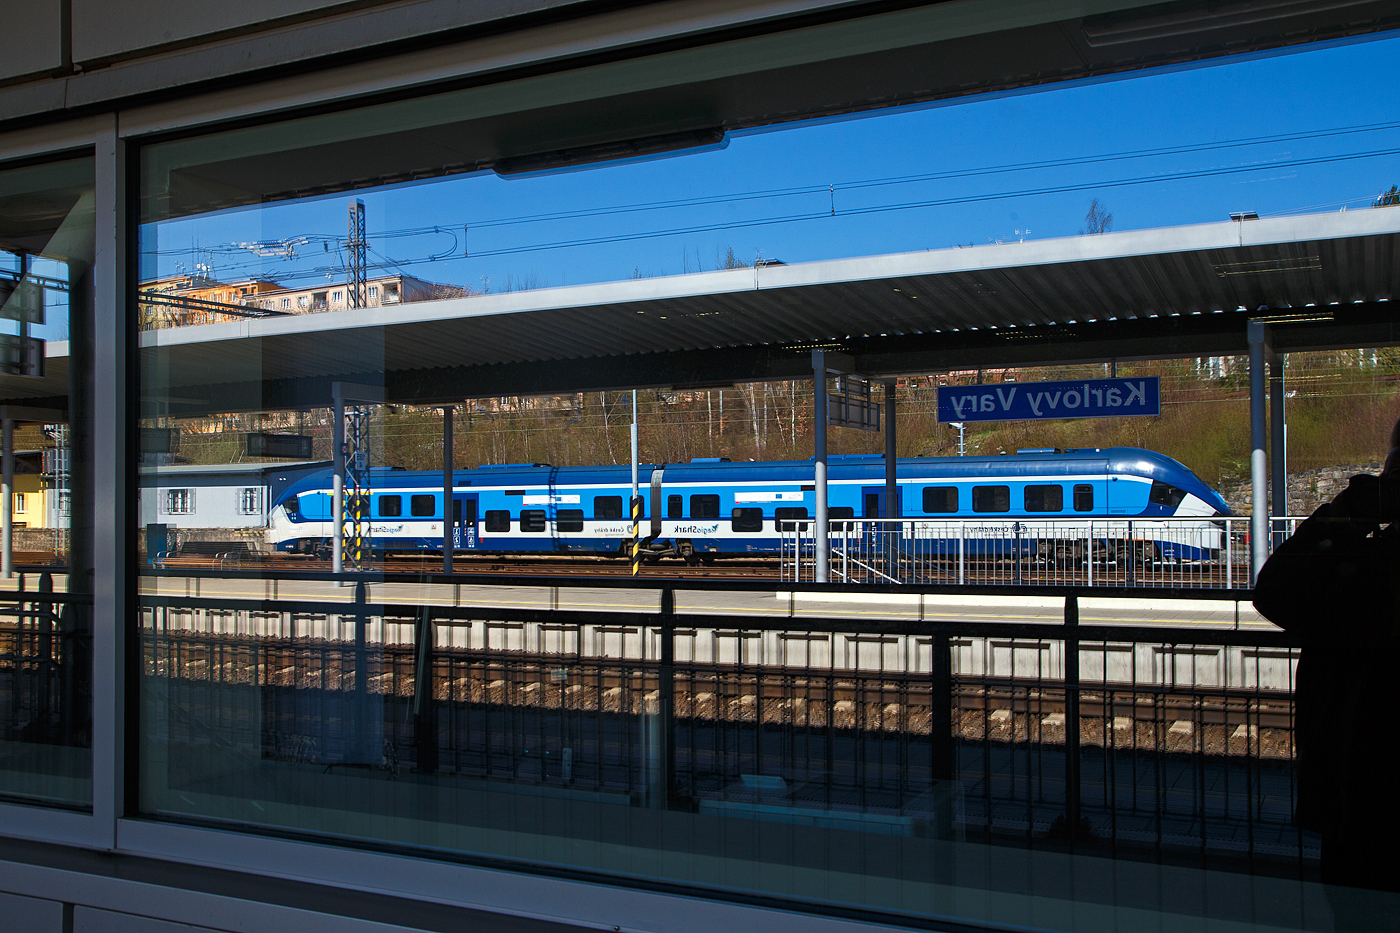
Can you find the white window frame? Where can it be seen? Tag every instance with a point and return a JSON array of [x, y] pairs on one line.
[[250, 500], [172, 497]]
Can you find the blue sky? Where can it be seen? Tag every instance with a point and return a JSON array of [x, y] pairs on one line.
[[1068, 145]]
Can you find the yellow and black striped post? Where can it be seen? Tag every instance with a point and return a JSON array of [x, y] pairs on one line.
[[636, 535]]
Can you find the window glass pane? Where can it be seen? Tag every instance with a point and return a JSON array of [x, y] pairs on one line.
[[46, 306], [747, 519], [1083, 497], [704, 506], [1165, 494], [607, 508], [1045, 498], [335, 280], [991, 498], [940, 498], [788, 516]]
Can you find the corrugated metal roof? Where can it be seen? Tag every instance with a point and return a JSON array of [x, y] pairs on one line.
[[1196, 270]]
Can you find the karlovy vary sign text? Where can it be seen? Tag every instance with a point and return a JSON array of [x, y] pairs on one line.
[[1030, 401]]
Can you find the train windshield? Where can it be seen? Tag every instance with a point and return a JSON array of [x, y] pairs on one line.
[[1165, 494]]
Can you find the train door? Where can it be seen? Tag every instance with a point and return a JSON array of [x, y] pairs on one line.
[[464, 531], [873, 501]]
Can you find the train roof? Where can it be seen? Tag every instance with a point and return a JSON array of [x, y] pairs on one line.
[[1076, 461]]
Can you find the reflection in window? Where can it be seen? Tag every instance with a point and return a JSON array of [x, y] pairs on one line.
[[46, 306], [813, 755]]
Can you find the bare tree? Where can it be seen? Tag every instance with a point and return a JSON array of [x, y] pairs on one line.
[[1098, 220]]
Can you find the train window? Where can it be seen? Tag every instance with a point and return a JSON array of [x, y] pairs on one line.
[[787, 516], [532, 520], [1165, 494], [390, 506], [704, 506], [839, 511], [674, 507], [991, 498], [1083, 498], [422, 506], [1045, 498], [569, 520], [748, 519], [940, 498], [497, 520], [606, 508], [292, 505]]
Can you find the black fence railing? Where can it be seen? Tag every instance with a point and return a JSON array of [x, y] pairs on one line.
[[45, 664], [1133, 741]]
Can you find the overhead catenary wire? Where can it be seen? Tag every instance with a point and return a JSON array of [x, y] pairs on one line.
[[827, 210]]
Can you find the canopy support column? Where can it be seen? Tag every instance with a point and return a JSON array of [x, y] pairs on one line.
[[821, 526], [892, 504], [7, 481], [1259, 350], [449, 515], [1278, 470], [337, 480]]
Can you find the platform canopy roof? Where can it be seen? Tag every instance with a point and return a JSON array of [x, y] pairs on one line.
[[1321, 280]]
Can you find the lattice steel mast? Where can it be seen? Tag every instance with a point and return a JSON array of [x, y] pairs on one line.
[[355, 249]]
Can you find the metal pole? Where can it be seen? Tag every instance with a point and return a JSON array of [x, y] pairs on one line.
[[338, 481], [892, 504], [7, 454], [1072, 717], [635, 465], [1278, 470], [449, 514], [821, 526], [1258, 459]]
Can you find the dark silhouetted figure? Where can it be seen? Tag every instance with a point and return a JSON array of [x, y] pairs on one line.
[[1336, 584]]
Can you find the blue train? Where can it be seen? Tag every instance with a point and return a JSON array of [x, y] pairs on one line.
[[710, 507]]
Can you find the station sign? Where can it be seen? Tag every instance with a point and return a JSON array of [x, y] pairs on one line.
[[1043, 401]]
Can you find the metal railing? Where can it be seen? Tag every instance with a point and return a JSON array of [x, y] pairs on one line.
[[1113, 552], [45, 664], [1165, 742]]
